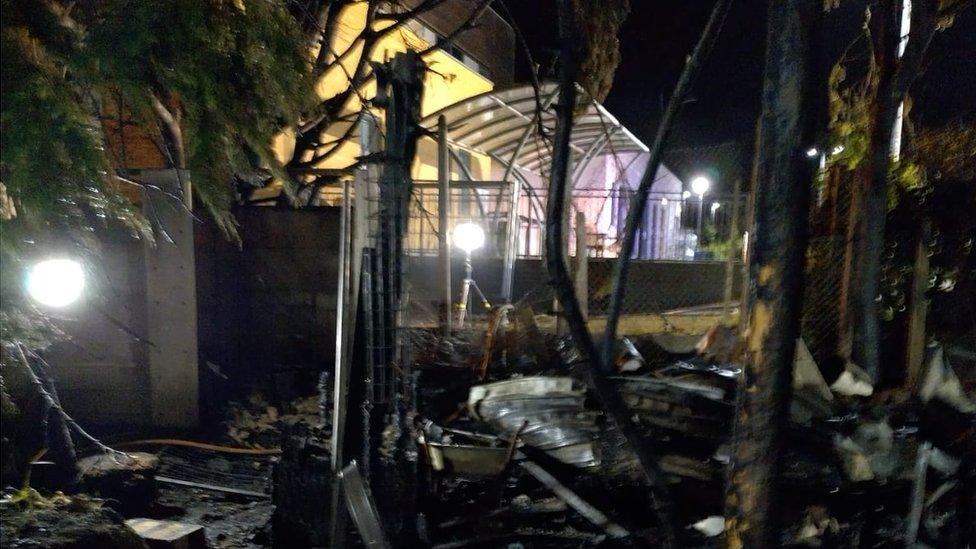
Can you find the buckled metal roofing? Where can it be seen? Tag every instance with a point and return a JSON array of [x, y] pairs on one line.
[[502, 124]]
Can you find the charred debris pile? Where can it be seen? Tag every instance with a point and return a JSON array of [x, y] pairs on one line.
[[511, 447]]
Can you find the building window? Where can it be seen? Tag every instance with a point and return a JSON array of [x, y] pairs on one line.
[[430, 36]]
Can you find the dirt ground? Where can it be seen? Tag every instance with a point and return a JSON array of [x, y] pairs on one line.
[[230, 521]]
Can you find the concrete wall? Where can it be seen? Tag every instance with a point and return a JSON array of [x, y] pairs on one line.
[[131, 352], [268, 307], [654, 286], [101, 370]]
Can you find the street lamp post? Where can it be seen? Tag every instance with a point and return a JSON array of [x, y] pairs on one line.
[[468, 237]]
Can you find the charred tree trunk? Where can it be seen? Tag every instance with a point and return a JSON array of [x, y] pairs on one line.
[[778, 249]]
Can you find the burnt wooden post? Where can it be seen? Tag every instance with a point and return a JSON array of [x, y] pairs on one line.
[[894, 80], [581, 272], [400, 91], [778, 247], [918, 310]]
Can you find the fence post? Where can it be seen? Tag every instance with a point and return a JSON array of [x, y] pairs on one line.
[[443, 204], [752, 493], [749, 230], [730, 259], [917, 310], [581, 275]]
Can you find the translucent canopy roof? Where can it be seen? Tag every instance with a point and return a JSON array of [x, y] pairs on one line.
[[503, 124]]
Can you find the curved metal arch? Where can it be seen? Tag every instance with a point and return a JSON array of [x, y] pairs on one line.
[[515, 111]]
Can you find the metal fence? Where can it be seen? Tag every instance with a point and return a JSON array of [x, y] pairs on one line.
[[686, 254], [827, 268], [674, 227]]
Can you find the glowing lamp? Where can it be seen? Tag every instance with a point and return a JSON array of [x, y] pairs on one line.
[[468, 236], [700, 185], [56, 282]]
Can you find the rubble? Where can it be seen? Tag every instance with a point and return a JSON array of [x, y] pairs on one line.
[[545, 412], [30, 520], [850, 453], [168, 534], [941, 382], [127, 480]]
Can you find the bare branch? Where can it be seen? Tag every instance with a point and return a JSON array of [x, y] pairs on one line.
[[593, 371], [172, 125], [622, 265]]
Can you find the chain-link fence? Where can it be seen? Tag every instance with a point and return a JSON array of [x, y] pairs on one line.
[[687, 256], [827, 268]]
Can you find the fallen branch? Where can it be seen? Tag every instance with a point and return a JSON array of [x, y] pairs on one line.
[[55, 404]]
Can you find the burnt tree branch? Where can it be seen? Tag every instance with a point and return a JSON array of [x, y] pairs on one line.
[[639, 202], [556, 264]]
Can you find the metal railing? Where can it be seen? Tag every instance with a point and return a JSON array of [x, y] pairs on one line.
[[674, 227]]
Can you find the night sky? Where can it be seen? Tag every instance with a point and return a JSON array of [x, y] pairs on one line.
[[724, 102]]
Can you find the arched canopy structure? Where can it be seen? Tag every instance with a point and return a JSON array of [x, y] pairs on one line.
[[506, 125]]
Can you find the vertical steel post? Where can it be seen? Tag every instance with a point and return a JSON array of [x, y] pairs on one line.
[[753, 493], [340, 378], [443, 205]]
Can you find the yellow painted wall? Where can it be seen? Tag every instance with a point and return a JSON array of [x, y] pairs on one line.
[[446, 82]]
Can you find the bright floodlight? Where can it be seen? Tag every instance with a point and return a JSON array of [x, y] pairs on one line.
[[700, 185], [812, 151], [715, 206], [685, 194], [56, 282], [468, 236]]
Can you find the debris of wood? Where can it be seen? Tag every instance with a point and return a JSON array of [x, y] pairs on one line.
[[710, 526], [720, 344], [168, 534], [806, 374], [853, 381], [257, 424], [628, 358]]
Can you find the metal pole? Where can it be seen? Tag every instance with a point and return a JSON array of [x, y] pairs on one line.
[[340, 380], [443, 204], [753, 503], [511, 235], [465, 290], [730, 260], [581, 274], [749, 230], [701, 202]]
